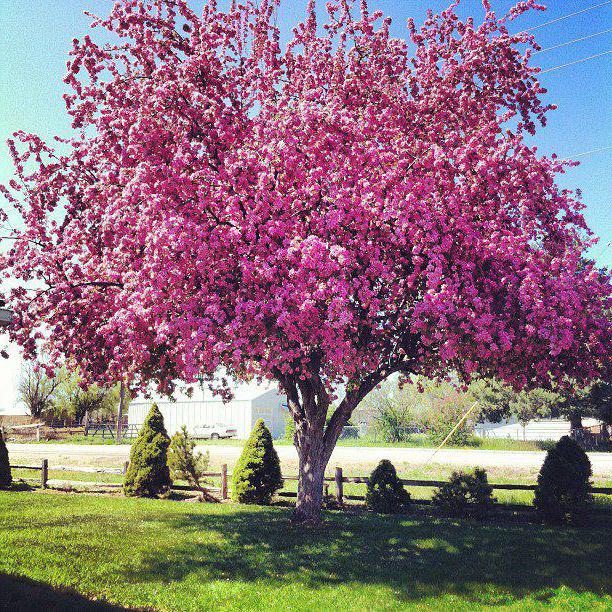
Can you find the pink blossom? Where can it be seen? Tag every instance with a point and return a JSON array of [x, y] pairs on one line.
[[349, 206]]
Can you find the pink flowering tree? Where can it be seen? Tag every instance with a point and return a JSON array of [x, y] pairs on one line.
[[321, 215]]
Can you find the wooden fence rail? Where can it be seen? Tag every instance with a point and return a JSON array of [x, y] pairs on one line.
[[43, 468], [338, 479]]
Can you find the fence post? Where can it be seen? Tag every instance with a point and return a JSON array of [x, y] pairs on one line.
[[44, 473], [120, 412], [224, 481], [38, 434], [126, 465], [339, 485]]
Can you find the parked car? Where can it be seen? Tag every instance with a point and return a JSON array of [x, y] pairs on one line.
[[214, 432]]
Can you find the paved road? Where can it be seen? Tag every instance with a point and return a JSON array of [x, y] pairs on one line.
[[102, 455]]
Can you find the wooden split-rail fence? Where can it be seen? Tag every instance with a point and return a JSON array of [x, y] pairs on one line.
[[338, 480]]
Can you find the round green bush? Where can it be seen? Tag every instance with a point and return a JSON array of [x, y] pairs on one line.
[[257, 475], [148, 474], [563, 491], [5, 466], [385, 493], [465, 495]]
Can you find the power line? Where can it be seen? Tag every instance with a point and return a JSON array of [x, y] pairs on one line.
[[600, 250], [584, 59], [586, 10], [571, 42], [592, 151]]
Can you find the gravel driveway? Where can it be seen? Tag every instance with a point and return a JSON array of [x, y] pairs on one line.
[[364, 457]]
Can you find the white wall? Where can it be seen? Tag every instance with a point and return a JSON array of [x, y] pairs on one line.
[[194, 413], [251, 401], [270, 407], [240, 414], [539, 429], [10, 370]]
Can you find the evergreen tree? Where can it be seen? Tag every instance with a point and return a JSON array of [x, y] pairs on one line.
[[5, 466], [187, 464], [148, 474], [563, 491], [257, 475], [385, 492], [466, 495]]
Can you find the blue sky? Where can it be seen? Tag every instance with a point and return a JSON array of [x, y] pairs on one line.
[[35, 36]]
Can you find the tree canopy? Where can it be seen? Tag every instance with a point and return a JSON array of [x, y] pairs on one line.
[[330, 212]]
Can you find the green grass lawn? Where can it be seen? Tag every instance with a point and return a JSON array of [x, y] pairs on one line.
[[171, 555], [429, 472], [414, 441]]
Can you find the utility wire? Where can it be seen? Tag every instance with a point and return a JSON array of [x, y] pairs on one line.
[[571, 42], [452, 431], [590, 8], [592, 151], [601, 249], [584, 59]]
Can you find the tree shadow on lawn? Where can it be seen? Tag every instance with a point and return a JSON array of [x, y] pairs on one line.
[[415, 556], [19, 594]]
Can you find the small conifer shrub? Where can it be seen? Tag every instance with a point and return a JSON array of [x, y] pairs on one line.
[[563, 491], [465, 495], [257, 475], [187, 464], [5, 466], [148, 474], [385, 493]]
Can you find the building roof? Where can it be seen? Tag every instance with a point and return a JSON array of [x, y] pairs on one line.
[[241, 391]]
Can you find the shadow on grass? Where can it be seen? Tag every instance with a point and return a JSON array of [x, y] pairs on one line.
[[19, 594], [415, 557]]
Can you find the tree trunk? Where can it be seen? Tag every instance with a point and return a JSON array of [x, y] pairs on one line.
[[315, 443], [575, 419], [308, 403], [310, 483]]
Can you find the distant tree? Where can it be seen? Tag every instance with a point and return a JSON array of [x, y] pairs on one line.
[[148, 474], [73, 399], [289, 429], [498, 401], [536, 403], [599, 401], [573, 402], [495, 399], [257, 475], [592, 401], [391, 408], [38, 391], [448, 407]]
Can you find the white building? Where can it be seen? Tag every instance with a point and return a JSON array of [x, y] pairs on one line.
[[538, 429], [9, 371], [251, 402]]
